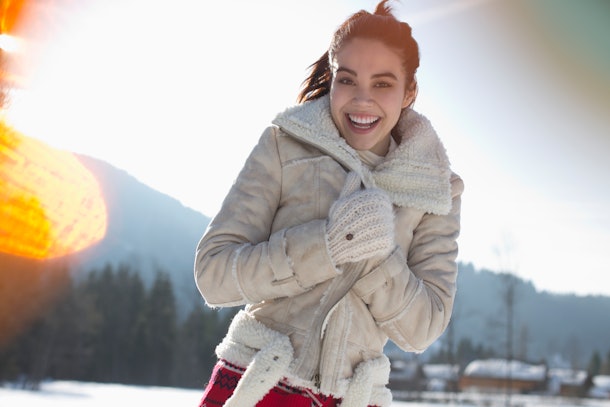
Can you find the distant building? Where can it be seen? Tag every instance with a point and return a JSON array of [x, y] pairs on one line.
[[441, 377], [405, 375], [500, 375], [601, 387], [566, 382]]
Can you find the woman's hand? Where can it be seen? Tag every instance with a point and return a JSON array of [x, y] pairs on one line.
[[360, 224]]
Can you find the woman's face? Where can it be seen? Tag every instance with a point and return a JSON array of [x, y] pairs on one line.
[[367, 94]]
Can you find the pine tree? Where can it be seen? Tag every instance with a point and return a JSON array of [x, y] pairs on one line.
[[192, 354], [595, 364], [78, 323], [132, 304], [160, 320], [198, 337], [118, 298], [605, 370]]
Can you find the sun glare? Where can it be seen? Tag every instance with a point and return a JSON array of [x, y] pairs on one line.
[[9, 43], [50, 204]]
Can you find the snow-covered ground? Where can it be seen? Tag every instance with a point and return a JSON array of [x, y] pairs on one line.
[[69, 394]]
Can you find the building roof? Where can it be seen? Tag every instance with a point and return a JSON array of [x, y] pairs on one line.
[[503, 369], [568, 376], [441, 371]]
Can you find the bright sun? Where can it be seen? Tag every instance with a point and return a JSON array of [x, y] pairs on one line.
[[50, 204]]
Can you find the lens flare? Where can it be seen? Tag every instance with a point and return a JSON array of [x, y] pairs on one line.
[[50, 204], [9, 43], [10, 11]]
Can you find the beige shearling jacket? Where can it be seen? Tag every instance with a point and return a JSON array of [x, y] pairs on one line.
[[304, 320]]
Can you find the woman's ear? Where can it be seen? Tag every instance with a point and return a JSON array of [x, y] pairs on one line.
[[410, 94]]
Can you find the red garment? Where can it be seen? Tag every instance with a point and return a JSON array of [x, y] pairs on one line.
[[225, 377]]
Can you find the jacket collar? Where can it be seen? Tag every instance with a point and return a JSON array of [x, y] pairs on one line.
[[417, 174]]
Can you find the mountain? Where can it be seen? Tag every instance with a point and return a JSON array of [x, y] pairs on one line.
[[152, 231], [544, 324], [147, 230]]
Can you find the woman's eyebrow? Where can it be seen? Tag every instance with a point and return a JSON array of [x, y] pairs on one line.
[[376, 76], [385, 75], [349, 71]]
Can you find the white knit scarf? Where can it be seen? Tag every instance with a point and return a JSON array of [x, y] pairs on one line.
[[416, 174]]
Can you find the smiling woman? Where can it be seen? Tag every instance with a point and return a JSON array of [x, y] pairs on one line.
[[338, 235]]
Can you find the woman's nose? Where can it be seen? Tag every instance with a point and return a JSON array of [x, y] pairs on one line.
[[362, 97]]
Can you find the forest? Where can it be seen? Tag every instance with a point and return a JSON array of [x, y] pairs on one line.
[[110, 326]]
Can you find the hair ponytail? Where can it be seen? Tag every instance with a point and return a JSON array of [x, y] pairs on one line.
[[317, 83], [383, 9]]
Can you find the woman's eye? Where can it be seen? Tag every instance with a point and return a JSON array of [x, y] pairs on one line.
[[382, 85], [345, 81]]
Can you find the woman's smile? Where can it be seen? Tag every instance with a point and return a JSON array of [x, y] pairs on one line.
[[362, 122]]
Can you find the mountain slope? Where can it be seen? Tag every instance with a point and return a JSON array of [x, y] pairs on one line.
[[544, 324], [147, 230]]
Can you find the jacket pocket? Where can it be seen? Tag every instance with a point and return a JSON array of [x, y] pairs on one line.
[[309, 187]]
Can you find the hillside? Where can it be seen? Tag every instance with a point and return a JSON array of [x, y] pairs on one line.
[[544, 324], [147, 230]]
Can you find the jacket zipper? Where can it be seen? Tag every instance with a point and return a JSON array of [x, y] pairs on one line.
[[349, 277], [316, 380]]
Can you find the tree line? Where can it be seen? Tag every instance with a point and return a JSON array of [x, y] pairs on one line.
[[109, 327]]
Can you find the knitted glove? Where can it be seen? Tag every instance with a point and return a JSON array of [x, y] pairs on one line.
[[360, 223]]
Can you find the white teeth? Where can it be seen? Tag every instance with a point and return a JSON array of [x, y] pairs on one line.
[[363, 119]]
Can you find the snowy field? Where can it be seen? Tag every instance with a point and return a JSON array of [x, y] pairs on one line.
[[69, 394]]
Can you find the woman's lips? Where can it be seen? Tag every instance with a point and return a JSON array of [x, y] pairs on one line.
[[362, 121]]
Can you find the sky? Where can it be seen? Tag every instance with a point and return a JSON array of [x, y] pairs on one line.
[[177, 94]]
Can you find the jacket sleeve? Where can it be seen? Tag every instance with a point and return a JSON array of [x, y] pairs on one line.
[[412, 300], [238, 260]]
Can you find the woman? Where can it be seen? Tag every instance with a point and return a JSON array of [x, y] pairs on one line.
[[338, 234]]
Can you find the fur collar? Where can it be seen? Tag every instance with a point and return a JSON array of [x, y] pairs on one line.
[[417, 174]]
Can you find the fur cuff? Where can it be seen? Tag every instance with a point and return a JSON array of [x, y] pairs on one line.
[[265, 352], [364, 387]]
